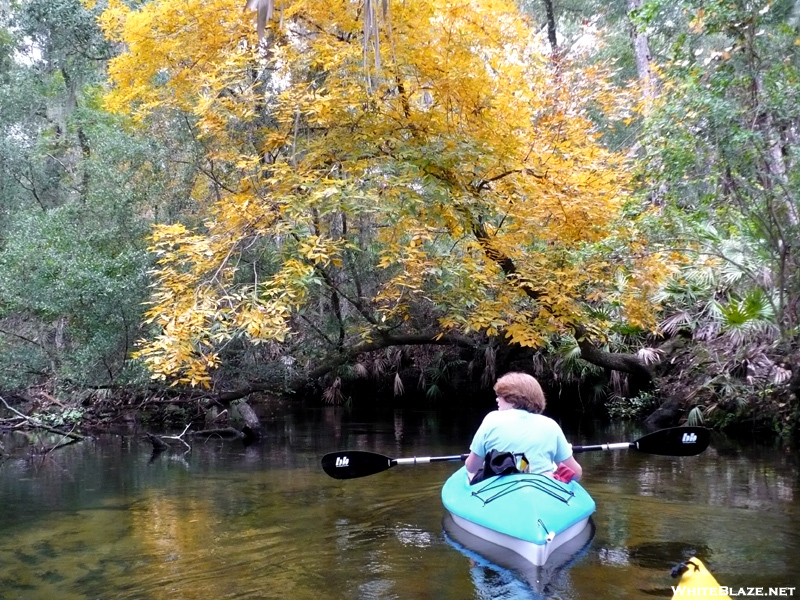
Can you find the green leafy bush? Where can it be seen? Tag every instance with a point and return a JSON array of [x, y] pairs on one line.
[[632, 408]]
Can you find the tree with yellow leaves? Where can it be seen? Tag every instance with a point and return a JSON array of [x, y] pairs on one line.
[[418, 172]]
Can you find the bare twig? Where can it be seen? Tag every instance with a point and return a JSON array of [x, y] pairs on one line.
[[179, 437]]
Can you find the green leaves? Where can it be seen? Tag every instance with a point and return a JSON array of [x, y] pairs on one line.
[[82, 284], [76, 193], [725, 174], [745, 319]]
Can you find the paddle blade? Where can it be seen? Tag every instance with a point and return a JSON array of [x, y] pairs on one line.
[[675, 441], [350, 464]]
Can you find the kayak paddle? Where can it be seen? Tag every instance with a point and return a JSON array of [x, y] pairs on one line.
[[350, 464], [675, 441]]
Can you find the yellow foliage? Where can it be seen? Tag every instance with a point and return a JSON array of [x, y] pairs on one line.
[[466, 125]]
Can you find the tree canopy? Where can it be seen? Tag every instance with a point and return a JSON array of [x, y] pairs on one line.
[[480, 182], [446, 153]]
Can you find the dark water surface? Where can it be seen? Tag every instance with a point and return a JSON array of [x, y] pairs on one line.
[[104, 519]]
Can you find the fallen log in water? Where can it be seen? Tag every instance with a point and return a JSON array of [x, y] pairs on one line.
[[163, 442], [224, 432]]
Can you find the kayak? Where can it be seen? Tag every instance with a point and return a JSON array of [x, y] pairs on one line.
[[527, 513], [517, 577], [696, 580]]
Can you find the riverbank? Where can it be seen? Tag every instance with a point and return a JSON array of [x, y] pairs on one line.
[[751, 392], [756, 412]]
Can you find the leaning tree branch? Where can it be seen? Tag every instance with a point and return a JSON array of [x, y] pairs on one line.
[[386, 340], [626, 363]]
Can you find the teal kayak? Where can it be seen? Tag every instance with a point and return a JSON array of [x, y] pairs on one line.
[[527, 513]]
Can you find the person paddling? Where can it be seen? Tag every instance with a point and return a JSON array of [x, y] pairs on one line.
[[517, 426]]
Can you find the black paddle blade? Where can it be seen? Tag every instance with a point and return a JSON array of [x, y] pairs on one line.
[[675, 441], [350, 464]]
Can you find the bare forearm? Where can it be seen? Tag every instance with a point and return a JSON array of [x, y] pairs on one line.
[[473, 463]]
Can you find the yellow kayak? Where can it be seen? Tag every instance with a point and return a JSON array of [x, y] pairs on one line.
[[696, 580]]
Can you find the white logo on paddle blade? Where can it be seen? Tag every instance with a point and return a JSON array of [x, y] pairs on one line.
[[688, 438], [342, 461]]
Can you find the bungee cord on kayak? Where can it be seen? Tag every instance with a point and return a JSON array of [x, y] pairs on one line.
[[542, 483]]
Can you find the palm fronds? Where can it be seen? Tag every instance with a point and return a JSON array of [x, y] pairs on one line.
[[399, 389], [333, 393]]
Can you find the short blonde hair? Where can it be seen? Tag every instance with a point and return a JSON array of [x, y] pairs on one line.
[[522, 391]]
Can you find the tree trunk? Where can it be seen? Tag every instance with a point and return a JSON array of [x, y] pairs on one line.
[[641, 49], [252, 425], [551, 26]]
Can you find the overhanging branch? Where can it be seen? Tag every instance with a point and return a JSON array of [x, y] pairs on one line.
[[385, 340], [626, 363]]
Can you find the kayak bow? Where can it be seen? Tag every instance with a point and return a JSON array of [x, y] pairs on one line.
[[696, 580], [528, 513]]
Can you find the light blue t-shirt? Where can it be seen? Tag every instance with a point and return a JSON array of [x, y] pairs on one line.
[[516, 430]]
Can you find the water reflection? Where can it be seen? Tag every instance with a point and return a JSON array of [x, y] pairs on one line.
[[106, 519], [498, 572]]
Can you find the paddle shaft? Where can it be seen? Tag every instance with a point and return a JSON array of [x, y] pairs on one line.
[[618, 446], [418, 460], [421, 460]]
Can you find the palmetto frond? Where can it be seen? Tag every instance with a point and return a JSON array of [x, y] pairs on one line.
[[751, 316], [568, 356], [399, 388], [569, 365], [333, 394], [649, 356], [681, 320], [695, 417], [780, 375]]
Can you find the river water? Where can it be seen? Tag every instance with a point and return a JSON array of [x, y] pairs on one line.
[[107, 519]]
